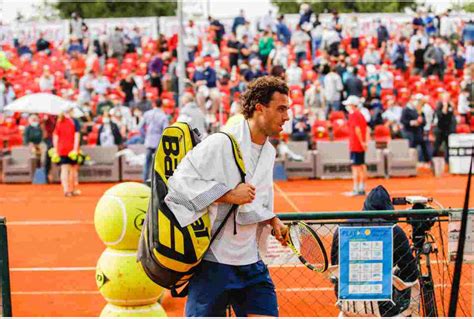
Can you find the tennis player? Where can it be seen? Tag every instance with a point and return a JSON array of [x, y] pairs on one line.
[[232, 272]]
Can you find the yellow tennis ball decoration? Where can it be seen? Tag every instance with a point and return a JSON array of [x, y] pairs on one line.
[[154, 310], [79, 157], [72, 155], [120, 213], [123, 282], [54, 156]]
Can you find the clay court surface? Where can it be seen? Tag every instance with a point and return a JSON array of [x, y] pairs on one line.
[[54, 247]]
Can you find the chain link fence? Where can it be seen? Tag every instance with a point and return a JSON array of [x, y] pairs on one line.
[[422, 273]]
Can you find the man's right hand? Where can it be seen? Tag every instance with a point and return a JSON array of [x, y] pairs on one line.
[[242, 194]]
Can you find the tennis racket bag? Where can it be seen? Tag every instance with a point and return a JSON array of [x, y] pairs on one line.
[[168, 252]]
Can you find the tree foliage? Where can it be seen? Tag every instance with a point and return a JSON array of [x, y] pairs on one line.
[[344, 6], [116, 9], [469, 7]]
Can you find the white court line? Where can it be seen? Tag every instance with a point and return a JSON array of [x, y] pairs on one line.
[[288, 200], [96, 292], [23, 269], [304, 289], [93, 268], [49, 222], [68, 292], [403, 191]]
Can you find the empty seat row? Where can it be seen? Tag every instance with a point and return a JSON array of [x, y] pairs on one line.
[[104, 166], [331, 160]]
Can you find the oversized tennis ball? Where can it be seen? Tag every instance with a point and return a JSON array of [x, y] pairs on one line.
[[122, 281], [120, 213], [155, 310]]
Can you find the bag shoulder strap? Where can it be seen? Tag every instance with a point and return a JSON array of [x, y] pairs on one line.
[[239, 161]]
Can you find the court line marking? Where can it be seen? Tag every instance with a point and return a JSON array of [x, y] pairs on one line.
[[398, 192], [66, 292], [96, 292], [93, 268], [32, 269], [287, 199], [49, 222]]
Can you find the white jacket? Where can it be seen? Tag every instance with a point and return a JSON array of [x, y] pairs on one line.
[[208, 172]]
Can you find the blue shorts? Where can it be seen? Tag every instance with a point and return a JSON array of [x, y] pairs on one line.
[[249, 289], [358, 158]]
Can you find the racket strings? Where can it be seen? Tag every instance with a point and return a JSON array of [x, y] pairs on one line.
[[307, 244]]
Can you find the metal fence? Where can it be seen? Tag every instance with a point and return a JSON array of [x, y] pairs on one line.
[[423, 256], [5, 294]]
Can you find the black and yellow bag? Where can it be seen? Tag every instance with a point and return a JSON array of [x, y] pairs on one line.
[[168, 252]]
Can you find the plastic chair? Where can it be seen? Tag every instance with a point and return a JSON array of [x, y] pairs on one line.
[[463, 129], [336, 115]]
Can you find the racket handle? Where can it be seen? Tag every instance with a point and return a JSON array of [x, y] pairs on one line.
[[273, 232]]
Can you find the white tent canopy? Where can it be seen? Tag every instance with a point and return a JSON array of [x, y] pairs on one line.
[[42, 103]]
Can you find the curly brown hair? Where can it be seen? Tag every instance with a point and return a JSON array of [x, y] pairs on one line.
[[261, 91]]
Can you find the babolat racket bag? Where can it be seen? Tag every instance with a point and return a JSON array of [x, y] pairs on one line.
[[168, 252]]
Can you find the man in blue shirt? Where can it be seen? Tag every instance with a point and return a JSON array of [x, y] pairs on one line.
[[205, 76], [418, 22], [430, 26], [153, 123], [468, 32], [75, 46], [218, 29], [239, 20], [283, 32], [382, 34], [205, 80]]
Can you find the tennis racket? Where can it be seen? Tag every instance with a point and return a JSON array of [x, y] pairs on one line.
[[307, 246]]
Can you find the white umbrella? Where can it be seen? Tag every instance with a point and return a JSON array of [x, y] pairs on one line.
[[43, 103]]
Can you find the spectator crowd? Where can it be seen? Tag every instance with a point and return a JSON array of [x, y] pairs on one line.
[[415, 82]]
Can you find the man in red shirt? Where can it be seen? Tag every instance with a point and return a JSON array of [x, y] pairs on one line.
[[357, 143]]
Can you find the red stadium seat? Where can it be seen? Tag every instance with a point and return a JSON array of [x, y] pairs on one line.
[[320, 131], [92, 138], [463, 129], [15, 140], [336, 115], [341, 132], [382, 134]]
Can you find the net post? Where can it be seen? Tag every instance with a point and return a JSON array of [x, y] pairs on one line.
[[5, 271]]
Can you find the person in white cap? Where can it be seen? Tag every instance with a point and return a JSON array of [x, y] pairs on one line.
[[358, 137], [66, 138]]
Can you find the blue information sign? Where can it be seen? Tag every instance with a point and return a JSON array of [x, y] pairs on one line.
[[365, 263]]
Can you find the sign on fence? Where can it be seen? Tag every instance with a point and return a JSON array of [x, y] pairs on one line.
[[453, 237], [460, 150], [365, 263], [277, 255]]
